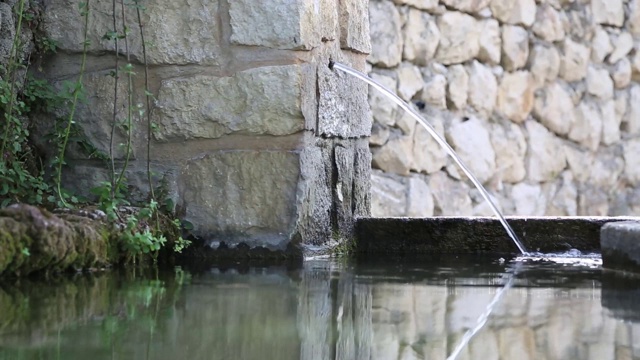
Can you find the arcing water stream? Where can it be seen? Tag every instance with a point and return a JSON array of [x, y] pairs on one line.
[[440, 141]]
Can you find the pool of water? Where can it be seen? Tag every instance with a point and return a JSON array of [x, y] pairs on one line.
[[392, 309]]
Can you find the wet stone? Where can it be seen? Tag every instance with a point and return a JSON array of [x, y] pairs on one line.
[[620, 243]]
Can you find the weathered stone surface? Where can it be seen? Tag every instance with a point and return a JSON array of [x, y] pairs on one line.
[[490, 41], [574, 62], [313, 223], [554, 108], [610, 123], [434, 92], [592, 201], [515, 47], [468, 6], [300, 25], [383, 109], [517, 12], [600, 45], [458, 38], [622, 45], [545, 158], [342, 104], [563, 199], [256, 101], [599, 83], [247, 196], [631, 150], [385, 27], [632, 116], [181, 35], [544, 64], [633, 19], [354, 26], [409, 81], [620, 246], [483, 88], [470, 140], [608, 12], [450, 197], [428, 155], [429, 5], [621, 73], [457, 86], [510, 147], [529, 199], [606, 168], [587, 127], [379, 134], [420, 200], [515, 96], [579, 162], [395, 155], [421, 37], [388, 195], [548, 24]]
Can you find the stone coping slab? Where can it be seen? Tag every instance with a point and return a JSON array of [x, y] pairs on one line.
[[620, 244], [472, 235]]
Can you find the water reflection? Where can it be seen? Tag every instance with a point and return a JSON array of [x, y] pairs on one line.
[[325, 310]]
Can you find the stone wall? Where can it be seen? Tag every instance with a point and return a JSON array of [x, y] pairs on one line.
[[257, 140], [541, 99]]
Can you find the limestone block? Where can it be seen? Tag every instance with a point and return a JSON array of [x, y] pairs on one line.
[[385, 27], [592, 201], [383, 109], [564, 200], [450, 197], [515, 12], [457, 86], [632, 116], [633, 19], [621, 73], [409, 81], [420, 200], [510, 147], [405, 122], [599, 83], [347, 185], [545, 159], [428, 155], [587, 127], [600, 45], [548, 25], [434, 92], [622, 45], [468, 6], [632, 161], [256, 101], [578, 23], [544, 64], [429, 5], [483, 88], [362, 179], [490, 41], [315, 203], [395, 155], [179, 34], [282, 24], [515, 96], [354, 26], [458, 38], [470, 140], [554, 108], [579, 162], [379, 134], [343, 110], [249, 193], [607, 166], [529, 199], [515, 47], [635, 66], [575, 59], [388, 195], [421, 37], [608, 12], [610, 123]]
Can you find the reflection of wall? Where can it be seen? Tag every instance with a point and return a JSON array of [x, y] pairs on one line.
[[539, 98]]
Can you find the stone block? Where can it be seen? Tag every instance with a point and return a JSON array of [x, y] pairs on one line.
[[575, 59], [544, 64], [409, 81], [483, 88], [434, 92], [587, 127], [388, 195], [419, 198], [610, 123], [608, 12], [515, 12], [458, 38], [354, 26], [470, 140], [180, 34], [283, 24], [510, 147], [383, 110], [600, 45], [632, 161], [265, 100], [621, 73], [554, 108], [632, 115], [490, 41], [428, 155], [242, 196], [548, 25], [385, 27], [622, 45], [515, 47], [468, 6], [545, 158], [450, 197], [315, 201], [395, 156], [620, 246], [515, 96], [421, 37], [457, 87]]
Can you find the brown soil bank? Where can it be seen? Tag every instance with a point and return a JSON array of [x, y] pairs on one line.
[[32, 239]]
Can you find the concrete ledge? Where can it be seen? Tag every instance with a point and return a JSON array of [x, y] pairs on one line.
[[472, 235], [620, 243]]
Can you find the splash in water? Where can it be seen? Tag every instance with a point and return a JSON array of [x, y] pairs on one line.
[[439, 140]]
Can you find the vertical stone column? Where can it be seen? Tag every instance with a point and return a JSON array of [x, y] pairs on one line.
[[256, 140]]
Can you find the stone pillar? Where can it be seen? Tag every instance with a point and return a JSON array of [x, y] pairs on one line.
[[256, 140]]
